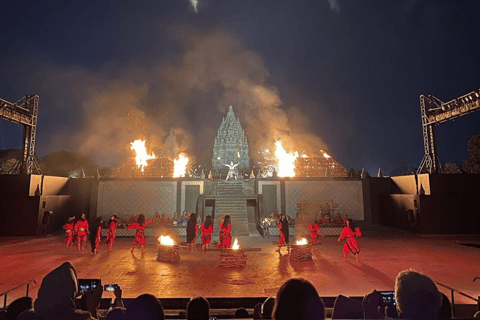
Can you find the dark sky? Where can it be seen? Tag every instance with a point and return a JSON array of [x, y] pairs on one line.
[[338, 75]]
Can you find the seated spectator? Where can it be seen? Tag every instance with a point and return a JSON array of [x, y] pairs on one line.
[[241, 313], [417, 296], [338, 218], [445, 311], [116, 314], [176, 219], [346, 308], [264, 310], [18, 306], [325, 219], [297, 299], [56, 297], [198, 309], [145, 307], [374, 309]]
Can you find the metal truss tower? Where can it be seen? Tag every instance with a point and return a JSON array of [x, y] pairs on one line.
[[25, 112], [434, 112]]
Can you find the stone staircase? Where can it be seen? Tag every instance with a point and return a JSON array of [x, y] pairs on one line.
[[231, 200]]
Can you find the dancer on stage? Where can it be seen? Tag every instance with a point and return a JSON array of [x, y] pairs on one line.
[[81, 229], [96, 235], [283, 238], [69, 228], [350, 234], [112, 231], [314, 230], [140, 225], [207, 230], [220, 223], [192, 229], [226, 232]]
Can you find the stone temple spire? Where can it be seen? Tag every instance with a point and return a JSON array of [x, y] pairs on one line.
[[230, 144]]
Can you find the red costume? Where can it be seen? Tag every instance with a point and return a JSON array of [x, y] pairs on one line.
[[206, 233], [225, 234], [98, 236], [281, 238], [81, 228], [140, 233], [112, 232], [351, 243], [68, 227], [314, 230]]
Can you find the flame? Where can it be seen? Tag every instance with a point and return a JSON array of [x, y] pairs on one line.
[[301, 242], [235, 246], [180, 166], [166, 241], [325, 155], [285, 161], [141, 153]]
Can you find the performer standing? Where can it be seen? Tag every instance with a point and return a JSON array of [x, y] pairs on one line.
[[226, 232], [140, 225], [96, 235], [192, 229], [283, 238], [112, 231], [207, 230], [350, 234], [69, 227], [314, 230], [220, 223], [81, 229]]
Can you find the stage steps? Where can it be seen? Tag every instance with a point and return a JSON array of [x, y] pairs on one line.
[[231, 200]]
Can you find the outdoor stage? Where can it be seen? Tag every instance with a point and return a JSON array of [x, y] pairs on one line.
[[384, 253]]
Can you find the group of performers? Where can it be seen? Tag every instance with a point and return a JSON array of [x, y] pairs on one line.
[[225, 237]]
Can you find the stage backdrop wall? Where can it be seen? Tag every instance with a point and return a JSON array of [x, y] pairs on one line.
[[126, 198], [347, 194]]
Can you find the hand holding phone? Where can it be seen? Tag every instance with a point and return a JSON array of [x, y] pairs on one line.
[[88, 285], [110, 287]]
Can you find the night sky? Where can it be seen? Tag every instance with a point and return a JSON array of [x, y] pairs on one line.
[[343, 76]]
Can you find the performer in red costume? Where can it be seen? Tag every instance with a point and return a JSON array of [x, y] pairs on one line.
[[314, 230], [69, 228], [96, 235], [350, 234], [226, 232], [112, 231], [283, 232], [207, 230], [81, 229], [220, 223], [140, 225], [192, 230]]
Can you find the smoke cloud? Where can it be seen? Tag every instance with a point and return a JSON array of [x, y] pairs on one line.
[[334, 5]]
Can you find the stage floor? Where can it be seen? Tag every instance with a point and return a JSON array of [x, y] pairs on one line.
[[383, 254]]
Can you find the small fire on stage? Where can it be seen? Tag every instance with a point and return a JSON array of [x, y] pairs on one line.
[[233, 258], [167, 250], [301, 251]]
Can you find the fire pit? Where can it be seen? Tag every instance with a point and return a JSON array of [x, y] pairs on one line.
[[167, 250], [233, 258], [300, 251]]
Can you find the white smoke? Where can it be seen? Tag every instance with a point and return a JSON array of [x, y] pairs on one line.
[[334, 5], [194, 5]]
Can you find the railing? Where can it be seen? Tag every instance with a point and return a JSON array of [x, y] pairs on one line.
[[5, 294], [453, 291]]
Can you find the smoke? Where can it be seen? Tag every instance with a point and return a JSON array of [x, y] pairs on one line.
[[334, 5], [194, 5]]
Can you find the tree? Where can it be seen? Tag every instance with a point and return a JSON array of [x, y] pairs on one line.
[[451, 168], [62, 163], [472, 164]]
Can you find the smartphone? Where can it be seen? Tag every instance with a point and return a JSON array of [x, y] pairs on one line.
[[388, 298], [110, 287], [88, 285]]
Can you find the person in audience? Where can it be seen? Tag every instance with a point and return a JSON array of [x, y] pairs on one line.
[[417, 296], [445, 312], [350, 234], [325, 219], [192, 230], [140, 225], [297, 299], [338, 219], [112, 232], [241, 313], [116, 314], [373, 308], [207, 230], [145, 307], [18, 306], [314, 230], [69, 227], [345, 220], [176, 219], [226, 231], [283, 232], [267, 308], [81, 229], [346, 308], [96, 235], [184, 217], [198, 309]]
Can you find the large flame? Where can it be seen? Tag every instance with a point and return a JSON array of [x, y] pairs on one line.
[[285, 161], [141, 153], [166, 241], [180, 166], [325, 155], [235, 246], [301, 242]]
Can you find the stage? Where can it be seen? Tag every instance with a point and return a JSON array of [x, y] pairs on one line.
[[384, 252]]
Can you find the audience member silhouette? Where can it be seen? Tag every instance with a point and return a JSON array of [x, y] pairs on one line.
[[145, 307], [241, 313], [18, 306], [198, 309]]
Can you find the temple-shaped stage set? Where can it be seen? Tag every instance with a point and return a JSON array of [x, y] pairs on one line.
[[420, 203]]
